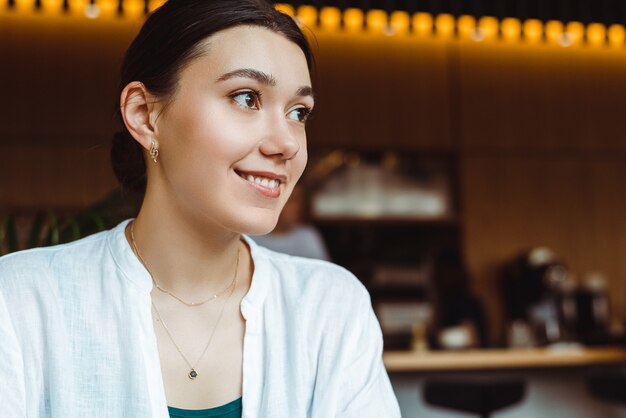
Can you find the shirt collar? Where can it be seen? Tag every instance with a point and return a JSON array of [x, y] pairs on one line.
[[253, 301], [133, 270], [125, 258]]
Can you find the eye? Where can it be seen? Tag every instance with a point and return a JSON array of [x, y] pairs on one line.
[[248, 99], [299, 114]]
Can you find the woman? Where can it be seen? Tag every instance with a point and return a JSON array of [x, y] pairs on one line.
[[178, 307]]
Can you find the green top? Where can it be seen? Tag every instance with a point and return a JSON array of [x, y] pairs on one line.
[[229, 410]]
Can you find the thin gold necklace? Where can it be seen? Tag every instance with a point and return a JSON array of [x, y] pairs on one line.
[[193, 374], [190, 304]]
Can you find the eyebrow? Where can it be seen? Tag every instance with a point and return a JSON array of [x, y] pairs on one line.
[[257, 75], [263, 78], [305, 91]]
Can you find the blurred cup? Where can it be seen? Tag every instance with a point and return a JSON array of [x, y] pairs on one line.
[[455, 338], [520, 335]]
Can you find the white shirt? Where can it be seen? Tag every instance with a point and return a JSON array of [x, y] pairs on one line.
[[77, 337]]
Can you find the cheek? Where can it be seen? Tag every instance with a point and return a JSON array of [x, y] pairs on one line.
[[204, 140]]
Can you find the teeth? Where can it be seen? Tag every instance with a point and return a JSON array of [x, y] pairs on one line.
[[262, 181]]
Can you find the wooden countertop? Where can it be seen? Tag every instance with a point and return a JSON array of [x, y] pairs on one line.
[[407, 361]]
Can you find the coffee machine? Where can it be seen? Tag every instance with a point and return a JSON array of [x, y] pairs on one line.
[[546, 304]]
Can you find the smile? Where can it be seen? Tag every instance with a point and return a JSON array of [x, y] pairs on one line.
[[262, 181], [266, 183]]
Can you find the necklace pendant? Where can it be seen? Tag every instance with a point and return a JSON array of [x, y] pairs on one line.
[[192, 374]]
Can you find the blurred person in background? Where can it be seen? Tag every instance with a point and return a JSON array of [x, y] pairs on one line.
[[293, 235]]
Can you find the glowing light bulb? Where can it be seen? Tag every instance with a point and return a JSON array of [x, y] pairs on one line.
[[533, 31], [511, 29], [77, 7], [307, 16], [444, 25], [285, 8], [489, 27], [132, 8], [466, 26], [617, 35], [596, 34], [155, 4], [400, 21], [52, 6], [353, 19], [22, 6], [330, 18], [108, 7], [574, 31], [376, 21], [423, 24], [554, 33]]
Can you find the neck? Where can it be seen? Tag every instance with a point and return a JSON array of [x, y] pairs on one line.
[[190, 259]]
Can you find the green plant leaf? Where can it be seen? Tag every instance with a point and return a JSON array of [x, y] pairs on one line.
[[10, 236], [99, 221], [75, 229], [34, 240], [54, 228]]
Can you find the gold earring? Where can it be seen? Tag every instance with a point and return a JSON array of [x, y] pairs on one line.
[[154, 152]]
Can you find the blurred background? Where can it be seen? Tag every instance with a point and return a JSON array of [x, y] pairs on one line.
[[467, 163]]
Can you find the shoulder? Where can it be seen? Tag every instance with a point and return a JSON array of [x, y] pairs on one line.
[[326, 304], [34, 265], [302, 271], [306, 281]]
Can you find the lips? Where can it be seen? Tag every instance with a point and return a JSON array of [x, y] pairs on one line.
[[262, 176], [267, 183]]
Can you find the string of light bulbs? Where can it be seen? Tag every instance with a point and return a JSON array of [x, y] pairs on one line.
[[354, 20]]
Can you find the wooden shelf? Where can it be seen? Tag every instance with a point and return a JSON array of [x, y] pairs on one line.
[[407, 361], [386, 221]]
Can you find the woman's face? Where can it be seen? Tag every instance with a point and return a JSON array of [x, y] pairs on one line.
[[232, 140]]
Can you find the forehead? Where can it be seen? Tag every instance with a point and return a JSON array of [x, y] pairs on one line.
[[257, 48]]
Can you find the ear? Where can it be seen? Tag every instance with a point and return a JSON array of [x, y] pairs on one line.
[[136, 107]]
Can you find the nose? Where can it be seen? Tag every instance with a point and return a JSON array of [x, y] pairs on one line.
[[281, 140]]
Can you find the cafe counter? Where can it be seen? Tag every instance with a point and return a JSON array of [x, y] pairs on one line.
[[555, 379], [502, 359]]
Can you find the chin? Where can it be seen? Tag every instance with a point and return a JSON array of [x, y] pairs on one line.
[[258, 226]]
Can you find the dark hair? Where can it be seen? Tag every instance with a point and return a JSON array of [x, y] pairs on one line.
[[170, 38]]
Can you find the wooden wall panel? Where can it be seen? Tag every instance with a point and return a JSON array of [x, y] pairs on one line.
[[574, 206], [542, 97], [47, 177], [379, 92], [59, 78]]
